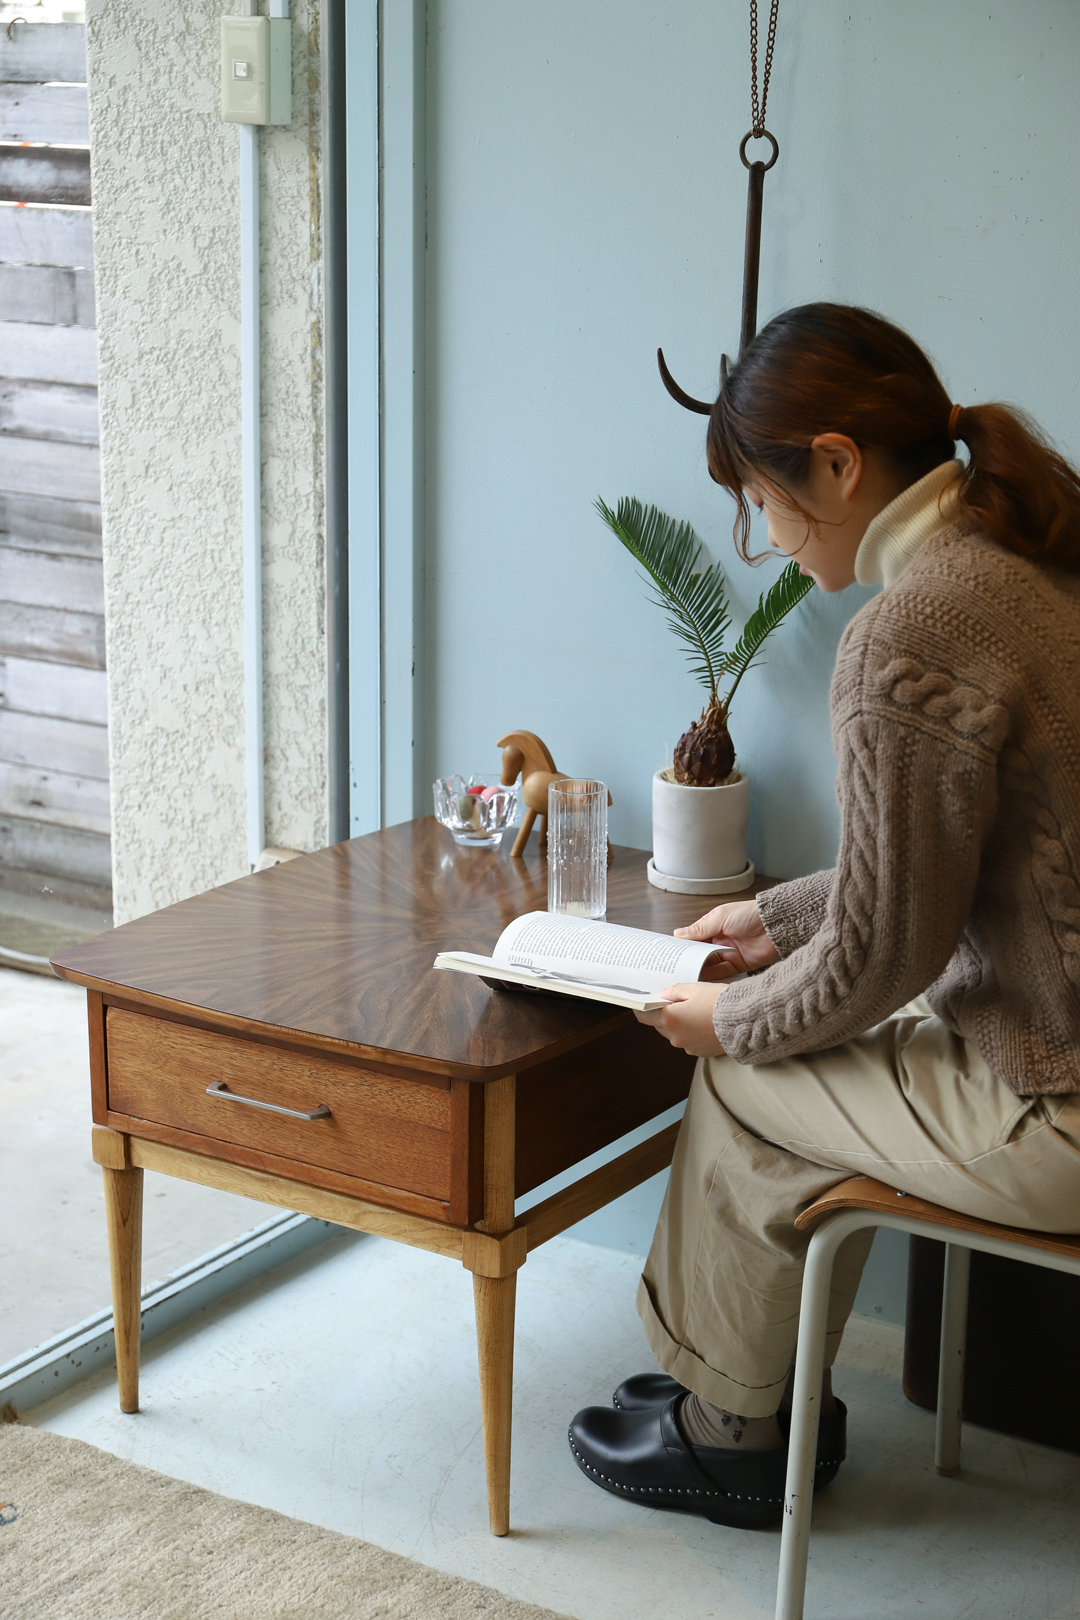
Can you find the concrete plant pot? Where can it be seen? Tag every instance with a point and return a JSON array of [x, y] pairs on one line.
[[700, 837]]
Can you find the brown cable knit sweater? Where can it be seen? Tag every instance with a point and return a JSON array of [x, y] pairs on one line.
[[956, 725]]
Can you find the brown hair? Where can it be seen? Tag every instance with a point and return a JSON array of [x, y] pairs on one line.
[[830, 368]]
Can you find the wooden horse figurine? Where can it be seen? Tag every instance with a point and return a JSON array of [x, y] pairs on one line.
[[523, 751]]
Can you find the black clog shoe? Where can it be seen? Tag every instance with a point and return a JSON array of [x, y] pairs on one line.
[[642, 1457], [644, 1391]]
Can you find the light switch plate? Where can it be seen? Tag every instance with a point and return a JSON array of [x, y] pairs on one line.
[[256, 70]]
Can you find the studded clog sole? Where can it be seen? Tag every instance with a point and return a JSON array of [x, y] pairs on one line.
[[645, 1391], [642, 1457]]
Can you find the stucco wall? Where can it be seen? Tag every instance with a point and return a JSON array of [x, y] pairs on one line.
[[166, 231]]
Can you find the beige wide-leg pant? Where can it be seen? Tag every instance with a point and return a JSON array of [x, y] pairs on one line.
[[907, 1102]]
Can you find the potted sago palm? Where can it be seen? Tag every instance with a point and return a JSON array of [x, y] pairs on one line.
[[701, 802]]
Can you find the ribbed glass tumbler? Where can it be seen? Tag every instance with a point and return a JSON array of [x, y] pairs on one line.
[[577, 848]]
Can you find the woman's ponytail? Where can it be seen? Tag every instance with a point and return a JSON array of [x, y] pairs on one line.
[[1017, 489], [832, 368]]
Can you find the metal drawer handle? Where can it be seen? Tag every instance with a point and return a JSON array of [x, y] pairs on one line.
[[220, 1089]]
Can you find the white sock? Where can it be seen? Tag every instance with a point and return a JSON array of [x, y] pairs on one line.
[[705, 1425], [828, 1399]]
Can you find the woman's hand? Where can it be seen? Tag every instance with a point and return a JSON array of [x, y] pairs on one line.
[[688, 1022], [739, 924]]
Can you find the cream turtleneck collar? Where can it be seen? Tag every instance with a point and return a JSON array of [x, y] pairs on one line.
[[901, 530]]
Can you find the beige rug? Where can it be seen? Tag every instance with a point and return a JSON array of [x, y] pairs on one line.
[[86, 1536]]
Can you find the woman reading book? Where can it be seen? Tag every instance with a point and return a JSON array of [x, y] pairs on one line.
[[914, 1013]]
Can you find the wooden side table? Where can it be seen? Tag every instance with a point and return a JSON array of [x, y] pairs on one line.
[[284, 1037]]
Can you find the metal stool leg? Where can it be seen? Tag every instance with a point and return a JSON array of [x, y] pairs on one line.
[[806, 1410], [950, 1392]]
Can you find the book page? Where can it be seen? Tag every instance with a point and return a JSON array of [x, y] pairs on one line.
[[497, 973], [600, 952]]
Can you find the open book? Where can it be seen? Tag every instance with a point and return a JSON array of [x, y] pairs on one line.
[[577, 957]]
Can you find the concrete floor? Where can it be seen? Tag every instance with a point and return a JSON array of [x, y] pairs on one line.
[[343, 1391], [54, 1265]]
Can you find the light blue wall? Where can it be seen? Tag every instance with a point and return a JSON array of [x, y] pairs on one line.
[[585, 203]]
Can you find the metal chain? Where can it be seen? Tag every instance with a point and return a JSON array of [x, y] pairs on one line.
[[758, 113]]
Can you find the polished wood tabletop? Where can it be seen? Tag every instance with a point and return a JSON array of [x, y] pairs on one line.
[[337, 949]]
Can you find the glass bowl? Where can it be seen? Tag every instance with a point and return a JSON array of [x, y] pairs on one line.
[[476, 809]]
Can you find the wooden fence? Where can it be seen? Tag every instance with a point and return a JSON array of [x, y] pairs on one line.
[[54, 790]]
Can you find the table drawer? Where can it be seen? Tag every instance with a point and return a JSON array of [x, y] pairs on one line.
[[391, 1131]]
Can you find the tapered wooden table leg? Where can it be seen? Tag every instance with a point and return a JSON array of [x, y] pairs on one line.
[[123, 1216], [495, 1297]]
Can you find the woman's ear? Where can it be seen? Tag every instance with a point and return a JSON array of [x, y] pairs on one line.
[[837, 464]]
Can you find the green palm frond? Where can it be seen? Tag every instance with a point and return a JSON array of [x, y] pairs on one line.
[[694, 597], [773, 606]]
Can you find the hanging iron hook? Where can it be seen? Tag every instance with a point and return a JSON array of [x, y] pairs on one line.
[[752, 253], [751, 265], [679, 394], [759, 135]]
